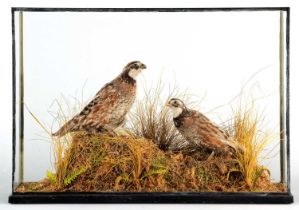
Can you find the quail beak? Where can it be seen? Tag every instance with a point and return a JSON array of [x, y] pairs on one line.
[[143, 66], [167, 104]]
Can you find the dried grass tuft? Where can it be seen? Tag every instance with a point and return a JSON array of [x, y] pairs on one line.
[[245, 129], [152, 120]]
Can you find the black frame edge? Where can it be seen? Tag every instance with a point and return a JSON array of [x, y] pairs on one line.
[[13, 99], [208, 9], [288, 98], [179, 197], [224, 198]]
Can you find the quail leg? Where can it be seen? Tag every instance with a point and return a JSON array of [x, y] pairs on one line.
[[109, 130], [111, 133], [211, 156]]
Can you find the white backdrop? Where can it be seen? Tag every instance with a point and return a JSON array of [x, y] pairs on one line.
[[5, 84], [211, 54]]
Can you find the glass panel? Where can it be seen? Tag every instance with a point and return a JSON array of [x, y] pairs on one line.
[[229, 63]]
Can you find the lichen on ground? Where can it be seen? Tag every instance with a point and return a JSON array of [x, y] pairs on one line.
[[126, 163]]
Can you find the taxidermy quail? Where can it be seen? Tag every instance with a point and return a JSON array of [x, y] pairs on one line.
[[110, 105], [199, 130]]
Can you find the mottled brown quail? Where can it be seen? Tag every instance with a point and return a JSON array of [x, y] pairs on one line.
[[199, 130], [107, 110]]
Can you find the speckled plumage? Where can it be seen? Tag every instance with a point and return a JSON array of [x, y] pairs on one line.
[[110, 105], [199, 130]]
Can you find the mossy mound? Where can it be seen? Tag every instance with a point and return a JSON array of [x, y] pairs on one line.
[[125, 163]]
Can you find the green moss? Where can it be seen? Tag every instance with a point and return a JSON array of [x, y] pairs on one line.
[[72, 176], [51, 176]]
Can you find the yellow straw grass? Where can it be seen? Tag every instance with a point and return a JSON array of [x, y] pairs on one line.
[[245, 129]]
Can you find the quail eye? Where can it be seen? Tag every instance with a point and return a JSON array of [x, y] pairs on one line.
[[135, 66]]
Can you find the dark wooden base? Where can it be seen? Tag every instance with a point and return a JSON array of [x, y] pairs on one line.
[[124, 197]]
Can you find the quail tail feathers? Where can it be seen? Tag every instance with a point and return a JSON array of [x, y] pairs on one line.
[[67, 127]]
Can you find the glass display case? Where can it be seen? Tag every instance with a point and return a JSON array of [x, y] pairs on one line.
[[151, 105]]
